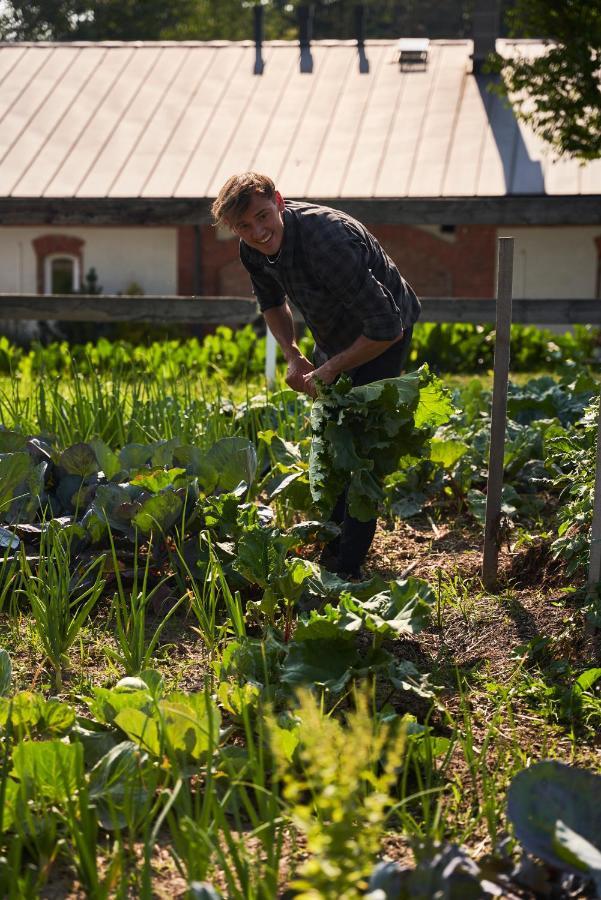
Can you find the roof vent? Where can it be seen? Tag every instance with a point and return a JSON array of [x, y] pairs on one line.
[[305, 28], [413, 53]]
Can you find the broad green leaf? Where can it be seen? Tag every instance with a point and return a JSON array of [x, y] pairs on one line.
[[106, 703], [364, 496], [121, 786], [15, 468], [447, 452], [12, 441], [49, 769], [435, 405], [556, 814], [235, 460], [323, 662], [403, 609], [158, 480], [80, 460], [160, 511], [106, 458], [135, 456], [140, 728]]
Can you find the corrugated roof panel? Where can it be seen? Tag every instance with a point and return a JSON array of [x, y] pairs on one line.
[[221, 128], [273, 154], [211, 86], [498, 156], [346, 123], [401, 149], [9, 57], [381, 116], [116, 119], [19, 76], [165, 119], [48, 118], [434, 145], [132, 123], [84, 131], [32, 98], [81, 110], [260, 119], [305, 155], [465, 157]]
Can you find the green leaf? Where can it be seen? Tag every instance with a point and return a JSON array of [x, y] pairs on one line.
[[106, 703], [435, 405], [12, 441], [403, 609], [107, 460], [235, 460], [80, 459], [121, 786], [364, 496], [15, 468], [6, 673], [49, 769], [447, 452], [135, 456], [159, 479], [556, 814], [325, 662], [160, 511]]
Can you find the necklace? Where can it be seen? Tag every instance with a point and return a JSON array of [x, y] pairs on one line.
[[273, 261]]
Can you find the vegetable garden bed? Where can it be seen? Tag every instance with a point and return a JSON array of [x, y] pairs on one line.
[[189, 698]]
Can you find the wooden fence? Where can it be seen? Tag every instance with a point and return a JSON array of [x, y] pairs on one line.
[[240, 310]]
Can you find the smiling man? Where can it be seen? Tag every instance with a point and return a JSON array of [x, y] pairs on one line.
[[352, 297]]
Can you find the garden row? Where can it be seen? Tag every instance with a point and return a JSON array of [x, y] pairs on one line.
[[147, 515]]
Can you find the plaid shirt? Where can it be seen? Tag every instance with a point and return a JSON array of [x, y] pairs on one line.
[[338, 277]]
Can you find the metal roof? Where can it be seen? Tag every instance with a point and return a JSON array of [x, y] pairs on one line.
[[161, 120]]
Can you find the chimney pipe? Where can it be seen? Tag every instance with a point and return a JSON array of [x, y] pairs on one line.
[[486, 26], [258, 31], [305, 33], [360, 24]]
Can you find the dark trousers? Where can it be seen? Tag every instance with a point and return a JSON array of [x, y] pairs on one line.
[[352, 546]]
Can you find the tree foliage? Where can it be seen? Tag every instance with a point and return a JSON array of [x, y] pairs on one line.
[[558, 93], [59, 20]]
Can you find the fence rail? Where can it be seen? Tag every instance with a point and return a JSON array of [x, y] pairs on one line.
[[241, 310]]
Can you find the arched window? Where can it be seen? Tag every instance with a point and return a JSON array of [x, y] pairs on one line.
[[61, 274], [59, 260]]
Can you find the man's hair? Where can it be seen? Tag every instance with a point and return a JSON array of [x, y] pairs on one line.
[[235, 195]]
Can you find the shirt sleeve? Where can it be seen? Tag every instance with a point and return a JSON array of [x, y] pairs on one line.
[[265, 288], [342, 267]]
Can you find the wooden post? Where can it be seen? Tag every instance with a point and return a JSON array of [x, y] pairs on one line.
[[270, 358], [499, 414], [594, 570]]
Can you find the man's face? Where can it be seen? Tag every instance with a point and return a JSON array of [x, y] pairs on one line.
[[261, 225]]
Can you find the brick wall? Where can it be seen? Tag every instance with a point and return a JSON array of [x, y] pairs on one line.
[[458, 263]]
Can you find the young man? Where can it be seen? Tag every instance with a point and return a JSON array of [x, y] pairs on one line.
[[357, 306]]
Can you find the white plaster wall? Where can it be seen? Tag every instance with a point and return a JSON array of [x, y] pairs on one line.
[[119, 255], [554, 262]]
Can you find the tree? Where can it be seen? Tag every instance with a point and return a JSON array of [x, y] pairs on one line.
[[559, 93]]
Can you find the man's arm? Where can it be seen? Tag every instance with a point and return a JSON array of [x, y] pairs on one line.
[[361, 351], [281, 324]]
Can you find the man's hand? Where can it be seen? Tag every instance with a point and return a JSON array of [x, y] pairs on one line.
[[298, 369], [325, 373]]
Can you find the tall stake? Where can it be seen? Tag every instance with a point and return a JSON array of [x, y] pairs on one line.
[[271, 349], [594, 570], [499, 414]]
